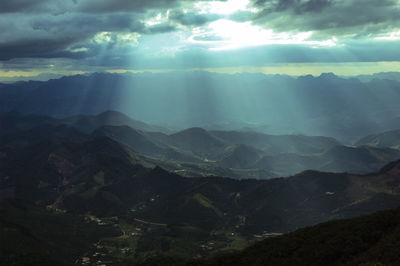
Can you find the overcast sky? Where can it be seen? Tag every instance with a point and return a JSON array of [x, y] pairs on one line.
[[270, 36]]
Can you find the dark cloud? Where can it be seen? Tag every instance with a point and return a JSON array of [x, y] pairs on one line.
[[88, 25], [299, 6], [51, 36], [86, 6], [191, 18], [11, 6], [313, 6], [57, 26], [284, 4], [329, 17], [106, 6], [40, 48]]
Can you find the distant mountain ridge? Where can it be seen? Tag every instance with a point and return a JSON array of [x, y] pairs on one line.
[[325, 105], [382, 75]]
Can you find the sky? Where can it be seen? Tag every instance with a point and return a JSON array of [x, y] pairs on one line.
[[295, 37]]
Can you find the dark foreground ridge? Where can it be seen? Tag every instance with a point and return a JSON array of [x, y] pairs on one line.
[[365, 240]]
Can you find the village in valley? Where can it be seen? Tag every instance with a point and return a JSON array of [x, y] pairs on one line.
[[138, 235]]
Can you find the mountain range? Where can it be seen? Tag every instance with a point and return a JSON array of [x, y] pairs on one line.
[[327, 105], [55, 172], [200, 152]]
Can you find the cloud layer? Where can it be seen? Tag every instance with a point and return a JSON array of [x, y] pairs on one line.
[[176, 33]]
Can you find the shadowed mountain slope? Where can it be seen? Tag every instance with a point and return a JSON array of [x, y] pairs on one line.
[[11, 122], [57, 169], [366, 240], [389, 139], [96, 174], [246, 152], [198, 152]]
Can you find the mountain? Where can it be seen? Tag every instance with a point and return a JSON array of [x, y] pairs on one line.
[[88, 123], [137, 140], [389, 139], [339, 158], [195, 151], [203, 143], [57, 173], [382, 75], [151, 144], [366, 240], [87, 168], [11, 122], [287, 164], [240, 156], [197, 140], [273, 144], [199, 152], [358, 159], [327, 105]]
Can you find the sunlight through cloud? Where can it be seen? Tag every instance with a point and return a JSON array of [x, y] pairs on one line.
[[391, 36], [120, 39], [225, 34], [157, 20]]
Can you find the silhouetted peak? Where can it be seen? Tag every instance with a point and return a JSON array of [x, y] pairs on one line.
[[194, 130], [305, 77], [328, 75], [112, 113], [197, 135], [393, 166], [159, 171]]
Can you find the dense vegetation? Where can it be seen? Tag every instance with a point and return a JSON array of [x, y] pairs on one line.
[[366, 240], [72, 196]]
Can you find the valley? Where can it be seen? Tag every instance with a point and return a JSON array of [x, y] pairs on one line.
[[55, 173]]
